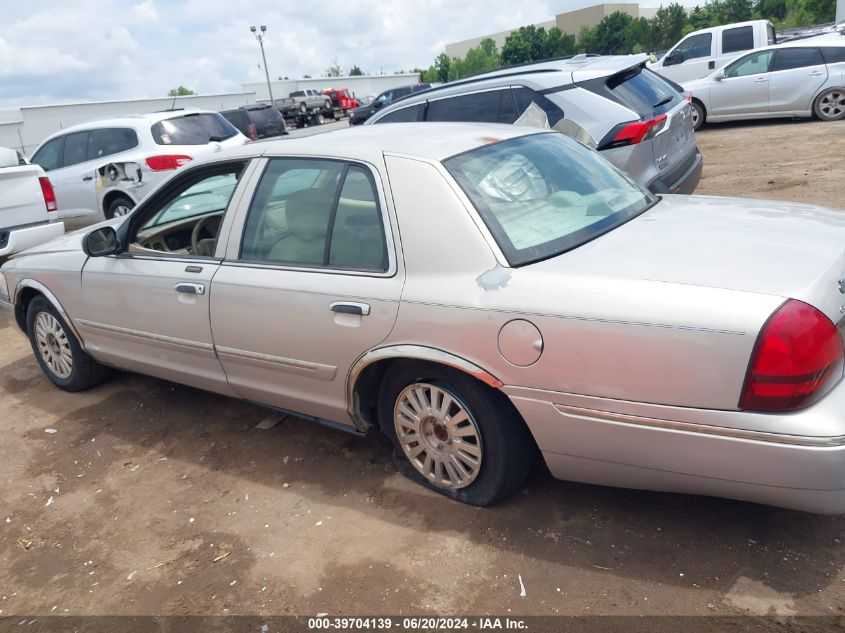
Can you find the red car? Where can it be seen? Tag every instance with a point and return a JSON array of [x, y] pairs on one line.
[[341, 99]]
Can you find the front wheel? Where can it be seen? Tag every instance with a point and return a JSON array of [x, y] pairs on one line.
[[454, 434], [119, 206], [319, 119], [830, 105], [698, 116], [57, 350]]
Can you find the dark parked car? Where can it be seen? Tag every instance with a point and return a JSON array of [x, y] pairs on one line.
[[257, 121], [359, 115]]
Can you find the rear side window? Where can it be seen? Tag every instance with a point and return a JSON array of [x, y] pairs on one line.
[[833, 54], [76, 149], [49, 157], [790, 58], [493, 106], [738, 39], [265, 115], [411, 114], [773, 39], [192, 129], [108, 141], [524, 97], [238, 118], [642, 91], [315, 213]]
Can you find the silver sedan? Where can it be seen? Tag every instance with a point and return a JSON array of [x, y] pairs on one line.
[[797, 79], [485, 296]]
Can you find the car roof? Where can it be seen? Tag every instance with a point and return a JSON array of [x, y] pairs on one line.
[[127, 120], [433, 141]]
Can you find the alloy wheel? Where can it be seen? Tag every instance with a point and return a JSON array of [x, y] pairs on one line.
[[438, 435], [832, 105], [53, 345], [121, 209]]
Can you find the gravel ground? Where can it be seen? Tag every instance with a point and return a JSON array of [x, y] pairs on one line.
[[144, 497]]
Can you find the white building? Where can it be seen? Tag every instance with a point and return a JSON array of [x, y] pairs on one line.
[[360, 86], [24, 128]]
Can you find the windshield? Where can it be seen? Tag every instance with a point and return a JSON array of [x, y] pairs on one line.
[[193, 129], [545, 194]]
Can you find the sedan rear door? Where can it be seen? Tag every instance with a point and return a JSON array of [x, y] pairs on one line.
[[797, 73], [310, 283]]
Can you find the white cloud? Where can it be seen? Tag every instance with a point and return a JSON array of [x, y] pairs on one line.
[[53, 50]]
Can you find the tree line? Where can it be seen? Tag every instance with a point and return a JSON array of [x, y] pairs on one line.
[[621, 34]]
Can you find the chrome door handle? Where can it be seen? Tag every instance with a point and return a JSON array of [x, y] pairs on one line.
[[350, 307], [761, 80], [87, 178], [816, 73], [190, 288]]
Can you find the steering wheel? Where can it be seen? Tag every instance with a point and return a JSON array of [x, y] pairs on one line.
[[206, 246]]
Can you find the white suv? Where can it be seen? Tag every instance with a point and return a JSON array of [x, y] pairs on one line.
[[103, 168]]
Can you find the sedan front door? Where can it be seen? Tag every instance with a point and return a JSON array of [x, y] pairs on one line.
[[797, 73], [744, 90], [146, 309], [310, 283]]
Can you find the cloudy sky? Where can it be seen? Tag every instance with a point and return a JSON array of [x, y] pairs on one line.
[[77, 50]]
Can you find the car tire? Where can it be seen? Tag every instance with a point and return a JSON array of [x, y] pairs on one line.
[[699, 116], [830, 105], [302, 108], [119, 206], [319, 119], [58, 351], [481, 459]]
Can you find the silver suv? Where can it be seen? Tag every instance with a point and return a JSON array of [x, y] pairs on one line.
[[639, 121]]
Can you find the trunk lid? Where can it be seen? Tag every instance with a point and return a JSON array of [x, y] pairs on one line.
[[784, 249]]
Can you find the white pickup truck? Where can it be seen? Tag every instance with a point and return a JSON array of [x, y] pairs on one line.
[[28, 212], [699, 53]]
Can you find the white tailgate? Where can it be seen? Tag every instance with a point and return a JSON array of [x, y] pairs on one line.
[[21, 200]]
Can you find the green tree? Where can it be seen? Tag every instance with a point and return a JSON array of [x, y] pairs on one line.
[[772, 9], [668, 25], [355, 71], [587, 42], [441, 68], [614, 34], [526, 44], [181, 91], [333, 70], [560, 44]]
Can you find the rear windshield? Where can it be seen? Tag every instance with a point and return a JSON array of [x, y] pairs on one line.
[[265, 115], [192, 129], [639, 89], [297, 93], [545, 194]]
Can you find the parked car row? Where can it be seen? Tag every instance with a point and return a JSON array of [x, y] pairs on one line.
[[364, 112], [389, 276]]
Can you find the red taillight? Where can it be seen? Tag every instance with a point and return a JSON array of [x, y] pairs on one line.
[[252, 132], [634, 133], [167, 161], [48, 193], [688, 97], [797, 359]]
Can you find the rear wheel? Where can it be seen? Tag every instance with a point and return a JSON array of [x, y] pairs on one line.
[[57, 350], [302, 108], [319, 119], [830, 105], [119, 206], [453, 434], [698, 116]]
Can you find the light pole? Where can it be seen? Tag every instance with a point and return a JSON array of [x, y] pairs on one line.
[[260, 38]]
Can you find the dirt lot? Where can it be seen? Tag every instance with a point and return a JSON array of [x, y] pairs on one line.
[[144, 497]]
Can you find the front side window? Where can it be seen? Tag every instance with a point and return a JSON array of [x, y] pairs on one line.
[[315, 213], [791, 58], [108, 141], [192, 129], [752, 64], [544, 194], [738, 39], [187, 218], [411, 114], [49, 156], [76, 149], [694, 47]]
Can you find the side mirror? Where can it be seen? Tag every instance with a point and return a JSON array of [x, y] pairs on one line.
[[675, 57], [719, 75], [102, 241]]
